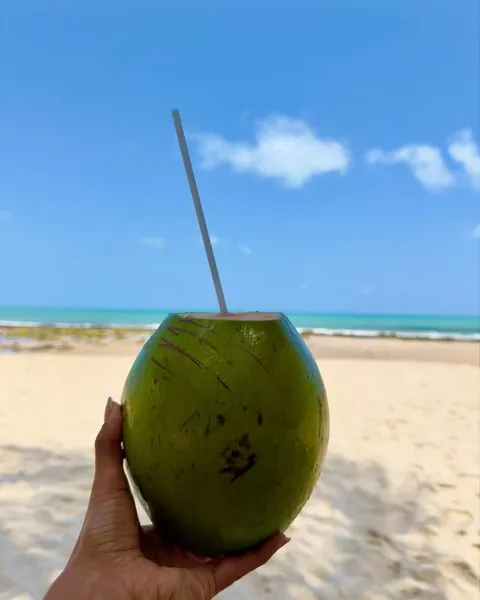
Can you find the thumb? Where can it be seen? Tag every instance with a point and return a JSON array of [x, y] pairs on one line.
[[109, 474], [111, 521], [231, 570]]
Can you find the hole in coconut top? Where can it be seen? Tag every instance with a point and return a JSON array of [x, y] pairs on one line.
[[245, 316]]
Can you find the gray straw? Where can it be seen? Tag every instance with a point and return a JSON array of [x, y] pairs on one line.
[[182, 142]]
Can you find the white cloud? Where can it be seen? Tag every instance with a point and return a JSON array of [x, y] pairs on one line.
[[367, 289], [426, 163], [476, 232], [4, 215], [244, 249], [285, 149], [464, 151], [153, 241]]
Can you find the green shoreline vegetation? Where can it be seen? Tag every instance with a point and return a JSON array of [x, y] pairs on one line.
[[51, 337], [63, 338]]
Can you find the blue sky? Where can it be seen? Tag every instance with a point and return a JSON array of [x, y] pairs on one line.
[[335, 147]]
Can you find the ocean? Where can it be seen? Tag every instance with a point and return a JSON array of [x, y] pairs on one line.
[[361, 325]]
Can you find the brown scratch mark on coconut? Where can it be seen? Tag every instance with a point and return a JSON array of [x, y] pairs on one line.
[[169, 346], [195, 324], [222, 383], [202, 340], [192, 416], [158, 364], [244, 442], [231, 456], [177, 476], [155, 381], [235, 470], [256, 359], [221, 419], [260, 419], [207, 428]]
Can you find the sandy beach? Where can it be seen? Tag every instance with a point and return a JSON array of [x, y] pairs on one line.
[[396, 512]]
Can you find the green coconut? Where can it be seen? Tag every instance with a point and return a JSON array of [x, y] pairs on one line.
[[225, 428]]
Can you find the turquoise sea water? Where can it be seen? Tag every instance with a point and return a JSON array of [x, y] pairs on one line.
[[411, 326]]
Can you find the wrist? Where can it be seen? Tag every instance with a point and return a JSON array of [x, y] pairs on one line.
[[74, 583]]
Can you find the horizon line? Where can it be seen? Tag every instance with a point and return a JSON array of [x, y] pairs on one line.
[[286, 311]]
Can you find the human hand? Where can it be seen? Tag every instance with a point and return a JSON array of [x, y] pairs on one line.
[[116, 559]]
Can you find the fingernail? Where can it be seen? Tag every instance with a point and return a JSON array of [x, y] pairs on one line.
[[108, 409]]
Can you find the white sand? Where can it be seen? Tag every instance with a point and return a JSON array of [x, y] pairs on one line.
[[396, 514]]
